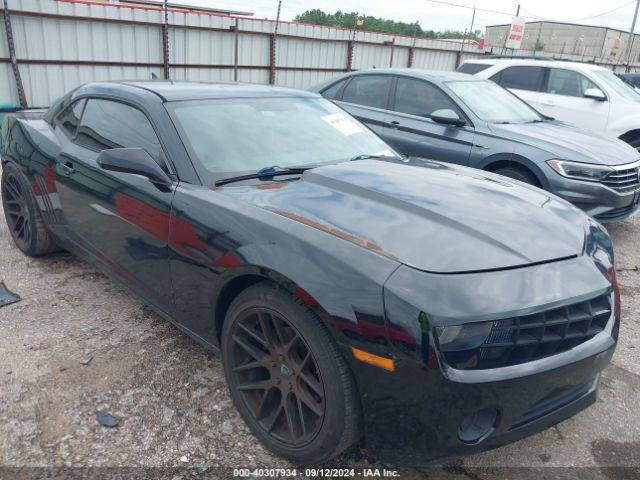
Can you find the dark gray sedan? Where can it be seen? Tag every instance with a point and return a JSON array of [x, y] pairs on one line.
[[459, 118]]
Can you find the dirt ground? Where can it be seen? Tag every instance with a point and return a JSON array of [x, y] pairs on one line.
[[176, 417]]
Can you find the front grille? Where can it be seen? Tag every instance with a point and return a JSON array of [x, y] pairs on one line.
[[517, 340], [623, 181]]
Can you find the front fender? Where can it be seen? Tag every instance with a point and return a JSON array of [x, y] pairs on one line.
[[217, 239], [349, 300], [502, 159], [619, 126]]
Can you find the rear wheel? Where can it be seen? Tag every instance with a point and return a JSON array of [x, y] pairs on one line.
[[518, 173], [287, 377], [22, 214]]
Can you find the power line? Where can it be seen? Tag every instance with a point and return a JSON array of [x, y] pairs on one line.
[[530, 15], [470, 7]]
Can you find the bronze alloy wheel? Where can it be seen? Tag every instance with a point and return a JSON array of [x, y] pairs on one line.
[[277, 377], [17, 212]]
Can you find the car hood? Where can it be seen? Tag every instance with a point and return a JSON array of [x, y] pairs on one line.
[[567, 142], [435, 217]]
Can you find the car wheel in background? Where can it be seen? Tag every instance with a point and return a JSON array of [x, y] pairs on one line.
[[287, 377], [634, 142], [518, 173], [22, 214]]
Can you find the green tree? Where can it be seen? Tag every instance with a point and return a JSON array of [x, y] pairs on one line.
[[376, 24]]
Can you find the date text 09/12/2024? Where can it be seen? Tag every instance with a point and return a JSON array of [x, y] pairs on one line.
[[316, 472]]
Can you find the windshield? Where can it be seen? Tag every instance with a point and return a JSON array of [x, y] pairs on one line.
[[247, 134], [617, 85], [492, 103]]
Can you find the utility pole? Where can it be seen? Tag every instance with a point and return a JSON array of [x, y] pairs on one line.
[[506, 36], [473, 18], [632, 35]]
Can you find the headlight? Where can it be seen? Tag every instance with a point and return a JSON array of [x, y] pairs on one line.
[[463, 337], [599, 247], [580, 171], [597, 243]]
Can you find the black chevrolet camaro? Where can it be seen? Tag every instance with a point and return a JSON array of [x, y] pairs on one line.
[[431, 309]]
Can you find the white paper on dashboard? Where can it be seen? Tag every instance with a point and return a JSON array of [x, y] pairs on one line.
[[343, 124]]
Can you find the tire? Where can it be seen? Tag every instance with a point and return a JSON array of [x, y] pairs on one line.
[[634, 142], [518, 173], [308, 382], [22, 214]]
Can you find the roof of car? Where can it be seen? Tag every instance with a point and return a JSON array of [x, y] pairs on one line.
[[534, 62], [441, 75], [174, 91]]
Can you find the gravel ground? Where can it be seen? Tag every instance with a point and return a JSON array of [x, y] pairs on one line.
[[176, 417]]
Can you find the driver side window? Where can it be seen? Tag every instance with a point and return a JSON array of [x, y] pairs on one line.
[[107, 124], [419, 98], [568, 82]]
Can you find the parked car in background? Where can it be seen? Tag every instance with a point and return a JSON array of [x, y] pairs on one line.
[[586, 95], [458, 118], [437, 310]]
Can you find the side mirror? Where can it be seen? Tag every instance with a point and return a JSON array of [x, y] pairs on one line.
[[447, 117], [133, 160], [595, 93]]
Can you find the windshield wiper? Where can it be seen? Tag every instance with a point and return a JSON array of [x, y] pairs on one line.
[[266, 172]]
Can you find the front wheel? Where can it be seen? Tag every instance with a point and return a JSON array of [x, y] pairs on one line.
[[287, 377], [518, 173], [634, 142]]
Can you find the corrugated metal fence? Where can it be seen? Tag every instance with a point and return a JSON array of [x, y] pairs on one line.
[[60, 44]]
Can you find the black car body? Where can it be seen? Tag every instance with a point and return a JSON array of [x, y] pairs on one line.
[[491, 129], [470, 310]]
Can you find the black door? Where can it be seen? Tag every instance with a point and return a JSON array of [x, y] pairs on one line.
[[411, 130], [123, 220]]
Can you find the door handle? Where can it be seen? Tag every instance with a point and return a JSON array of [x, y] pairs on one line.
[[394, 124], [68, 169]]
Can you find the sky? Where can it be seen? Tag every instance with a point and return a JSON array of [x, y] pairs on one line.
[[437, 16]]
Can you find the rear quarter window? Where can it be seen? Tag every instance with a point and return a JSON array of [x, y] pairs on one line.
[[332, 92], [69, 119], [473, 68]]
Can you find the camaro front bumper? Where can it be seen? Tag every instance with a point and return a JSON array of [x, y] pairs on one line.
[[424, 411]]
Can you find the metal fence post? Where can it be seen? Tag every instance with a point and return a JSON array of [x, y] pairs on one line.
[[410, 57], [350, 55], [272, 48], [236, 42], [272, 59], [165, 41], [392, 43], [22, 96]]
